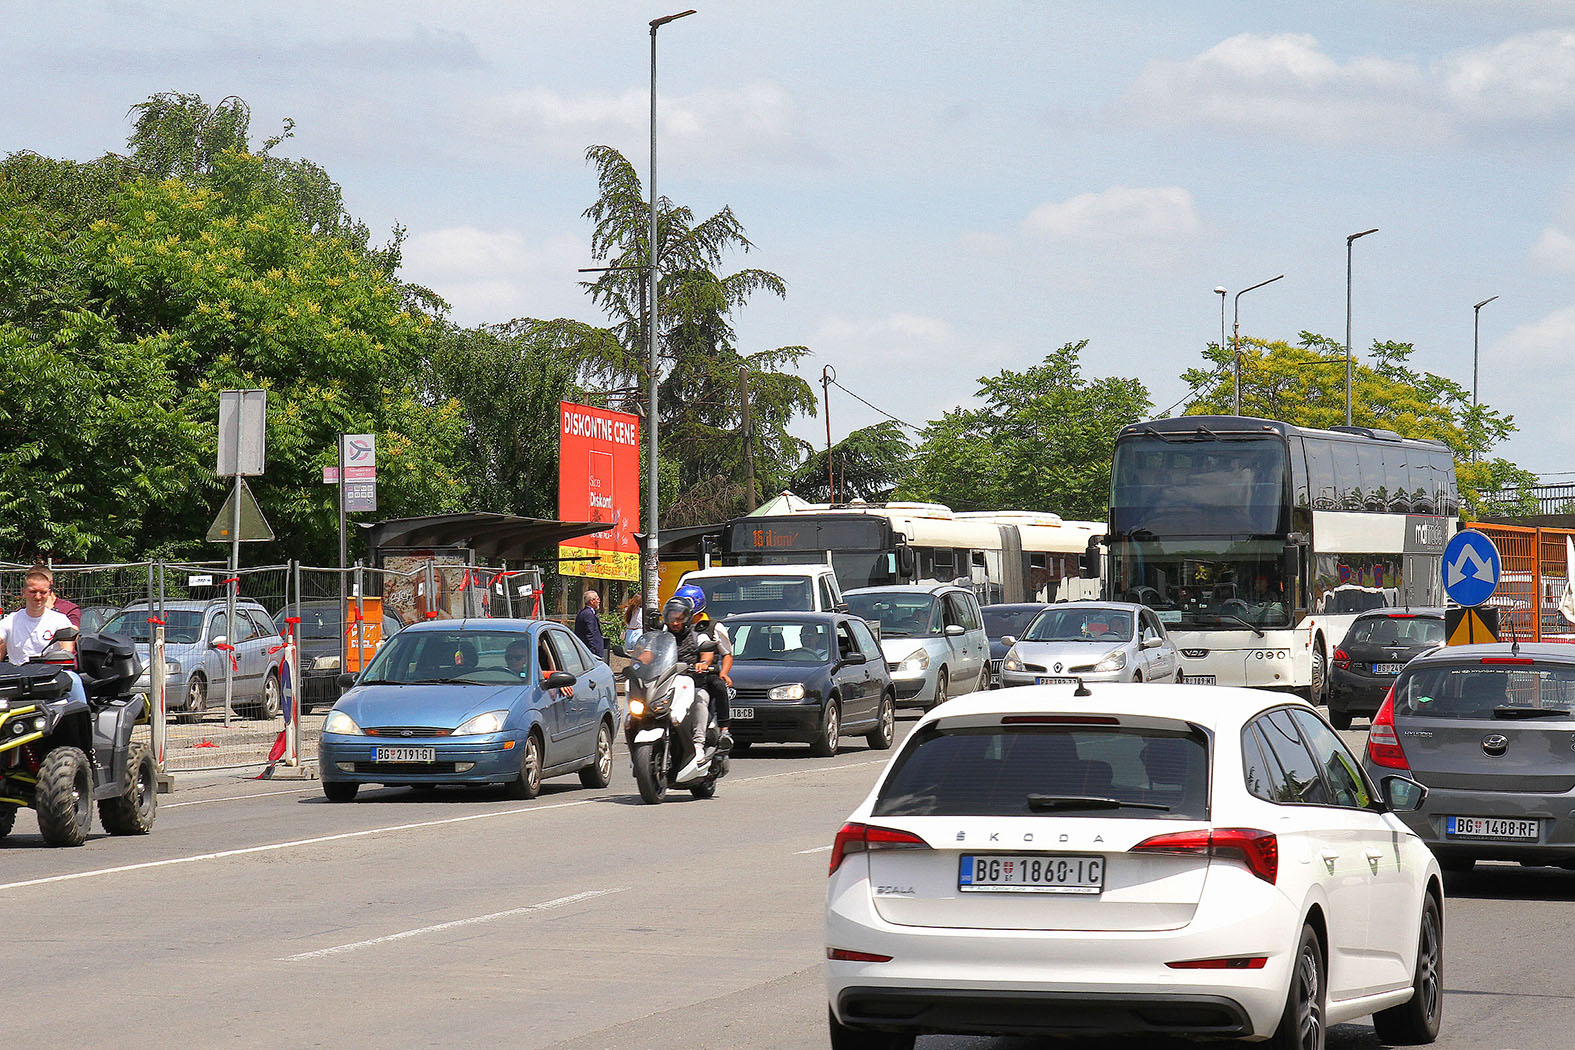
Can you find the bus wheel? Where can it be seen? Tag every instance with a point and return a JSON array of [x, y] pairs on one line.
[[1319, 685]]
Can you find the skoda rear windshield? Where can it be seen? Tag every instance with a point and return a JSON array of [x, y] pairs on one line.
[[1050, 770], [1504, 689]]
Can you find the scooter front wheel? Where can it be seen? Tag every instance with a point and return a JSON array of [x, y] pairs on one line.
[[705, 789], [650, 771]]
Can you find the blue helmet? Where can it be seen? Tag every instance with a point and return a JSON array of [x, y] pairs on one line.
[[695, 595]]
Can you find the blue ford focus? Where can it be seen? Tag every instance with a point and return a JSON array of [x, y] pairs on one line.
[[501, 702]]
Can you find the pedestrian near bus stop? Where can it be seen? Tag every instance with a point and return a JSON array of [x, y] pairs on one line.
[[588, 625]]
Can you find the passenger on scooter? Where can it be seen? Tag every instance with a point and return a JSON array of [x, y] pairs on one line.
[[677, 616], [718, 683]]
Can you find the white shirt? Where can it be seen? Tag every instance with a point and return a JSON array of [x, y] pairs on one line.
[[27, 636]]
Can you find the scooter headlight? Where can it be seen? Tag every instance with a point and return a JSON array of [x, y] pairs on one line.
[[637, 708]]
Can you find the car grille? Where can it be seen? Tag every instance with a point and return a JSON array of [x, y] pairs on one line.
[[892, 665], [749, 694], [404, 768], [909, 688], [404, 731], [995, 668]]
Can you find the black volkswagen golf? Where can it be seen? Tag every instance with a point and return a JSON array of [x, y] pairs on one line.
[[1376, 647]]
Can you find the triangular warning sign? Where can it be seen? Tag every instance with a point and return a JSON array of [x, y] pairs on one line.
[[254, 527], [1473, 626]]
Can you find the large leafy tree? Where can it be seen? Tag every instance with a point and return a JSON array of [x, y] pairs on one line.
[[868, 464], [1304, 384], [703, 373], [1042, 440]]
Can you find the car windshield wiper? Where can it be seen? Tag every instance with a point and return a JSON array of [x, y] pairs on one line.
[[1530, 712], [1087, 802], [1238, 619], [379, 681], [445, 681]]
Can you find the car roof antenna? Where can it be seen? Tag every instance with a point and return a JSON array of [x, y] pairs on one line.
[[1082, 690]]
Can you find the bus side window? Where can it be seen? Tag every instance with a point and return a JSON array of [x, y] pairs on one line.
[[1321, 478], [1374, 490], [1348, 475]]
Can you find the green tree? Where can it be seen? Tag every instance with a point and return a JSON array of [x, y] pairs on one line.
[[870, 463], [1043, 440], [1305, 385]]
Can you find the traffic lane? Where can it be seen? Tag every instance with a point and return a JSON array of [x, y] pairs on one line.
[[410, 930]]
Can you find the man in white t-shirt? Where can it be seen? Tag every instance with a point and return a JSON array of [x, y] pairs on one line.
[[28, 631]]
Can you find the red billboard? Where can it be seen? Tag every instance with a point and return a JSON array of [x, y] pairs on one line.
[[599, 480]]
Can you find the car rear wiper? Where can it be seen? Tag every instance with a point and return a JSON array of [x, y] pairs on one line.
[[1530, 712], [1036, 801]]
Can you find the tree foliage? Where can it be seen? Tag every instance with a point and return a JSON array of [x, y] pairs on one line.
[[869, 464], [1042, 440]]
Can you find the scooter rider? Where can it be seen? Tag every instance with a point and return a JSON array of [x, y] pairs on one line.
[[716, 680], [677, 619]]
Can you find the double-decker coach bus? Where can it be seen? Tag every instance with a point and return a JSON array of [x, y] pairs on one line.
[[1007, 556], [1257, 541]]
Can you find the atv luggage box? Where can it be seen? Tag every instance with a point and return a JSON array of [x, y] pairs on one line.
[[108, 664], [22, 684]]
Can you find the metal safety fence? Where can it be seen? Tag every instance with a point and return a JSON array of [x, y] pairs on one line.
[[1534, 574], [242, 667]]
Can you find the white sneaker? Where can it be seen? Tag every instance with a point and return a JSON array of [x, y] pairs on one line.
[[697, 768]]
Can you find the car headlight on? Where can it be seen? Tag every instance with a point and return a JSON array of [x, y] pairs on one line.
[[491, 722], [786, 692], [918, 660], [341, 724], [1114, 662], [1013, 662]]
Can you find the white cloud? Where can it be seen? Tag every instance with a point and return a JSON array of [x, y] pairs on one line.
[[494, 276], [1548, 341], [1555, 250], [1527, 78], [1121, 215], [895, 333]]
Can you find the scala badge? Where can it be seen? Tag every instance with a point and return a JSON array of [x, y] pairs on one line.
[[1495, 744]]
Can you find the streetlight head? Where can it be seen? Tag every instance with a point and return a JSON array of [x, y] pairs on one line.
[[1219, 291], [657, 23], [1484, 302], [1364, 233]]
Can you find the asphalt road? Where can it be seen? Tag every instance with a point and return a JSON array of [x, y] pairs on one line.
[[258, 915]]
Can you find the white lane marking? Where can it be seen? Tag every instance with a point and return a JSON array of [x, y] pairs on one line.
[[323, 953], [272, 846], [235, 798], [817, 849]]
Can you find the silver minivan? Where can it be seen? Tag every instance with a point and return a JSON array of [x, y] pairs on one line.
[[932, 636]]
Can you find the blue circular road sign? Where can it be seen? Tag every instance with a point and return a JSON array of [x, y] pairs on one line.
[[1471, 568]]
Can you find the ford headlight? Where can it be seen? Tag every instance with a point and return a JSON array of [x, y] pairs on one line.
[[341, 724], [786, 692], [1013, 662], [1114, 662], [916, 661], [491, 722]]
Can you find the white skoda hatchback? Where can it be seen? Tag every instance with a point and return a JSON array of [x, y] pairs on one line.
[[1129, 859]]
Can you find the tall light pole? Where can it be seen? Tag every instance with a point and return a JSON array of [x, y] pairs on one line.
[[1348, 242], [652, 474], [1476, 334], [1220, 291], [1235, 336]]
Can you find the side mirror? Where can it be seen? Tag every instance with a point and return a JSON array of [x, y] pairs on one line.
[[907, 562], [346, 679], [217, 641], [67, 634], [1151, 642], [618, 650], [954, 630], [854, 659], [1088, 561], [558, 680], [1009, 640], [1403, 794]]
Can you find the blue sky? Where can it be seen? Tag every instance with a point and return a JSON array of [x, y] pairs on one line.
[[948, 189]]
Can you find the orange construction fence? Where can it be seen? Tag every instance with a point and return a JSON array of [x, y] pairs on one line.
[[1533, 576]]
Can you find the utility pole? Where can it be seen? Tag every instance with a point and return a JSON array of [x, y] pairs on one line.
[[749, 437], [828, 375]]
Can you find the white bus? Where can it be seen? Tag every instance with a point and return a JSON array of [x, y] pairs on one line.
[[1258, 542], [1007, 556]]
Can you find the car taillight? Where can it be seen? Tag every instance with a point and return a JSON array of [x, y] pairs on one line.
[[1383, 745], [849, 955], [1237, 962], [1342, 659], [862, 838], [1259, 850]]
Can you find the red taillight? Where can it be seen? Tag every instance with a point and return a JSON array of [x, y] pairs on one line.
[[1383, 745], [1259, 850], [861, 838], [1342, 659], [1060, 720], [1254, 962], [1507, 660], [848, 955]]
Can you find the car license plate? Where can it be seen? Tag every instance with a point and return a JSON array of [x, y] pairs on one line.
[[1043, 680], [1031, 873], [1492, 828], [404, 754], [743, 712], [1387, 668], [1197, 679]]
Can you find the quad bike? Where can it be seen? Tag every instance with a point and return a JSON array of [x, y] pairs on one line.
[[65, 741]]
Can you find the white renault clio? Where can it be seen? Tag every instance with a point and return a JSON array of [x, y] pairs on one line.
[[1118, 858]]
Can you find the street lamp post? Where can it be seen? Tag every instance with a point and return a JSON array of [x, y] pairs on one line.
[[652, 474], [1220, 291], [1348, 242], [1476, 334], [1235, 336]]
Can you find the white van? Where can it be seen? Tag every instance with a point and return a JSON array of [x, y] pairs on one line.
[[767, 588]]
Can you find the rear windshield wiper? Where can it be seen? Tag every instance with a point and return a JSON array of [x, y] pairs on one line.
[[1530, 712], [1041, 802]]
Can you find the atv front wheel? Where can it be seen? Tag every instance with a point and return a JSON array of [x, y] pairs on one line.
[[65, 797], [134, 810]]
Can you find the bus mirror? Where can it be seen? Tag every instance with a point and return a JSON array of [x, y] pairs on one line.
[[1088, 563], [907, 562]]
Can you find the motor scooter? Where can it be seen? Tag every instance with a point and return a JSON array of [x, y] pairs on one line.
[[664, 704]]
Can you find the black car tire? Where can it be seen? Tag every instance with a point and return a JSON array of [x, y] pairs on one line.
[[599, 773], [1301, 1026], [704, 789], [196, 700], [1457, 865], [340, 790], [845, 1038], [830, 736], [942, 683], [984, 678], [7, 819], [133, 811], [65, 797], [650, 772], [1339, 719], [528, 783], [885, 731], [271, 706], [1416, 1021], [741, 746]]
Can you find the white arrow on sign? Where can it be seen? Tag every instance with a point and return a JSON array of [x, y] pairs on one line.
[[1479, 568]]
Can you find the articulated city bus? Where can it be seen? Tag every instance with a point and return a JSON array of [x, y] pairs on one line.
[[1007, 556], [1257, 542]]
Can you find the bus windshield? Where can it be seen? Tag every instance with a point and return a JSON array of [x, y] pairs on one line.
[[1199, 486], [1205, 584]]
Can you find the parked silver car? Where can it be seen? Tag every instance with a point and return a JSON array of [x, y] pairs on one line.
[[195, 666], [932, 636], [1092, 641]]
